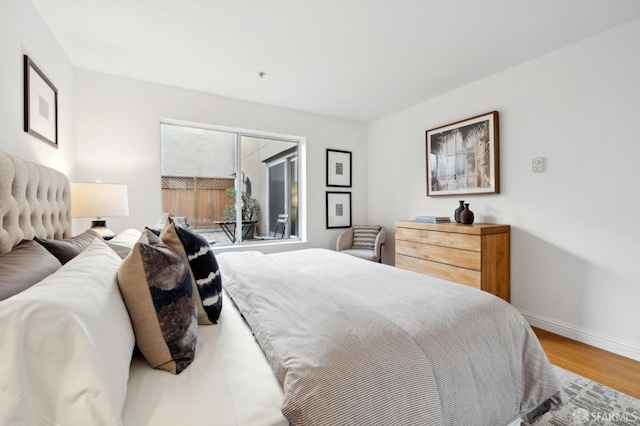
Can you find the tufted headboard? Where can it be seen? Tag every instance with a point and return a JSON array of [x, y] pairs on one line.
[[35, 201]]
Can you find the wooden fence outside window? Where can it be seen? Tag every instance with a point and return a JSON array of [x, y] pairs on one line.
[[200, 200]]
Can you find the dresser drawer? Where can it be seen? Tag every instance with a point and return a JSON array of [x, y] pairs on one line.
[[452, 256], [436, 238], [476, 255], [451, 273]]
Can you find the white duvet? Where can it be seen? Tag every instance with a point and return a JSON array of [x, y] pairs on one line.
[[354, 342]]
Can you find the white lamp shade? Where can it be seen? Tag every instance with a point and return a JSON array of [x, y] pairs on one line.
[[95, 199]]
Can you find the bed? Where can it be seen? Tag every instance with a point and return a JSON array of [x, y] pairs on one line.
[[311, 337]]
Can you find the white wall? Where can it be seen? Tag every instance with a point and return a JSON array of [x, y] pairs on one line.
[[23, 32], [575, 241], [118, 122]]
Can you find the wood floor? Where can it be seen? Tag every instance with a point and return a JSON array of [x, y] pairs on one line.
[[601, 366]]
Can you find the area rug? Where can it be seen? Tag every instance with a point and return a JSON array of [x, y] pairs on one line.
[[590, 403]]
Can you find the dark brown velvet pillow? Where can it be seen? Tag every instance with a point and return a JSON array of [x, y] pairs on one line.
[[67, 249], [27, 264]]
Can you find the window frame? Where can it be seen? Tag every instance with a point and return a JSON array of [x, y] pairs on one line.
[[301, 170]]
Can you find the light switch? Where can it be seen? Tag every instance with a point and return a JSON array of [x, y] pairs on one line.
[[537, 164]]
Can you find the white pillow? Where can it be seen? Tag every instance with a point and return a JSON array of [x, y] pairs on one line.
[[124, 241], [66, 346], [126, 238]]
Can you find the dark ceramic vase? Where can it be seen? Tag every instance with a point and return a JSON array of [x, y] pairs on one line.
[[456, 212], [466, 215]]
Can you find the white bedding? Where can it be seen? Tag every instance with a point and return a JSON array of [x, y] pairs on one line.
[[65, 345], [230, 382]]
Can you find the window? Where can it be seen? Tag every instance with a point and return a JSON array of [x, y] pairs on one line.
[[202, 169]]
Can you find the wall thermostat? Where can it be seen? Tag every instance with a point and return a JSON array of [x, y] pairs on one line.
[[537, 164]]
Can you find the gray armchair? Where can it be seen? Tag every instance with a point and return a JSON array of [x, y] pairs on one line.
[[363, 241]]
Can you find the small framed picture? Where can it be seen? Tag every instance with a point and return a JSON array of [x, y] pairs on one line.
[[338, 209], [462, 157], [338, 168], [40, 104]]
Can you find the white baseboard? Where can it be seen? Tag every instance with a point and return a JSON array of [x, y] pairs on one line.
[[617, 346]]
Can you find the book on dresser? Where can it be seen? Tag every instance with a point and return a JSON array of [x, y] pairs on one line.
[[476, 255], [433, 219]]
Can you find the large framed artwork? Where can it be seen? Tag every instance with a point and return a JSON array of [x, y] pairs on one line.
[[463, 157], [338, 209], [40, 104], [338, 168]]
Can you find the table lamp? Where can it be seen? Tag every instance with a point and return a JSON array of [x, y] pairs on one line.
[[97, 199]]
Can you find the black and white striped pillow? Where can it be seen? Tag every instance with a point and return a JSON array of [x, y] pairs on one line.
[[364, 236], [203, 267]]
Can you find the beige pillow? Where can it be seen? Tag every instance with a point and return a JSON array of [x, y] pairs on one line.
[[158, 292]]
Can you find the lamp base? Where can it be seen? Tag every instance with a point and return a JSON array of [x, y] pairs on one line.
[[100, 227]]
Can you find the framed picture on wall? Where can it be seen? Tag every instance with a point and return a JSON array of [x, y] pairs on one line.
[[338, 168], [463, 157], [338, 209], [40, 104]]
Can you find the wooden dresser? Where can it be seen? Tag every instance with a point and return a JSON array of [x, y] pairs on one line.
[[476, 255]]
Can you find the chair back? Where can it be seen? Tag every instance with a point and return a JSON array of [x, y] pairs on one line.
[[364, 241], [281, 221]]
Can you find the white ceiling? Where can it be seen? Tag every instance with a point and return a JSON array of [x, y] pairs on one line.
[[356, 59]]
